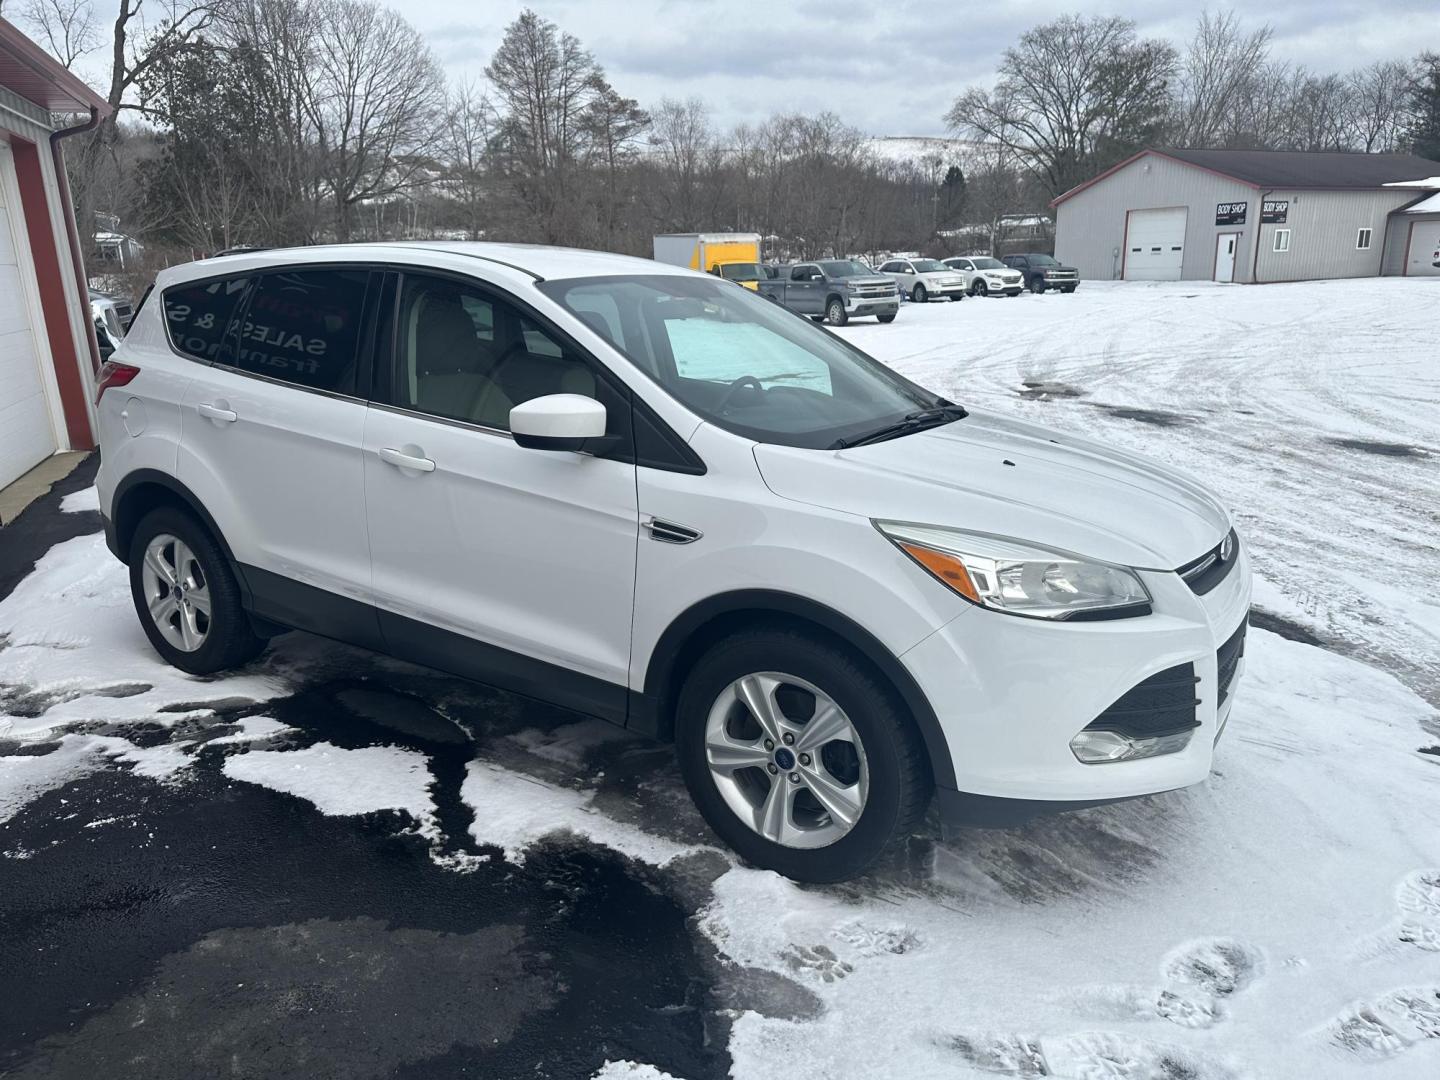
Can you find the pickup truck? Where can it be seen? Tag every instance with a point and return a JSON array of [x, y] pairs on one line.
[[1042, 272], [836, 290]]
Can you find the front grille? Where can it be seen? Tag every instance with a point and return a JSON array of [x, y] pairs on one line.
[[1163, 704], [1210, 569], [1227, 660]]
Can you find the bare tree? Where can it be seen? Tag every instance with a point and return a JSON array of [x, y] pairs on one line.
[[1379, 100], [614, 125], [374, 100], [67, 28], [1216, 75], [1074, 96], [464, 150]]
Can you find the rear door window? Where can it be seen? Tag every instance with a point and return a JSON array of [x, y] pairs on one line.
[[201, 317], [303, 326]]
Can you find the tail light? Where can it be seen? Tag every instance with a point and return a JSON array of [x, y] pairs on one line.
[[113, 374]]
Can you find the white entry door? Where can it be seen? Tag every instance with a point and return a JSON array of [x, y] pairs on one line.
[[27, 435], [1225, 256], [1423, 256], [1155, 244]]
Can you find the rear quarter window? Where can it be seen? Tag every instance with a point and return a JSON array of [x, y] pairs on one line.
[[303, 327], [200, 317]]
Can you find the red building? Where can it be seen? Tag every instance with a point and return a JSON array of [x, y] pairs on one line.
[[48, 353]]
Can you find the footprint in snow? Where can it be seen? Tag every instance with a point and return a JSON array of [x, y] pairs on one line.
[[1087, 1056], [868, 940], [817, 961], [1382, 1028], [1418, 926], [1198, 976]]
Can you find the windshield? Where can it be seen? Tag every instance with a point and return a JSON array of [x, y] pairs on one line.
[[1042, 260], [741, 272], [928, 266], [740, 361], [988, 264], [846, 268]]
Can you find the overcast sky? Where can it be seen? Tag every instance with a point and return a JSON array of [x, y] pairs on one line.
[[890, 67]]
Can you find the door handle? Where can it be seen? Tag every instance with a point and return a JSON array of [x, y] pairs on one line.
[[402, 460], [214, 412]]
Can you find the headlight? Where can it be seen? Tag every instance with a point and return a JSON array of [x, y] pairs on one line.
[[1020, 578]]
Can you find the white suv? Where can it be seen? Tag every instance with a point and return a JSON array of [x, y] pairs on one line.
[[642, 493], [924, 279]]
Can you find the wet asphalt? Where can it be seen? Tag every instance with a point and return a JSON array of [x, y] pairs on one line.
[[212, 927]]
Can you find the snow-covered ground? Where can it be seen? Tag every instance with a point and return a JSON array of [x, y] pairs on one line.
[[1280, 921]]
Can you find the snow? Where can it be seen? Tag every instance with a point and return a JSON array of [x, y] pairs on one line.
[[1281, 920], [71, 649], [342, 782], [1430, 205], [78, 501], [1428, 182], [513, 811]]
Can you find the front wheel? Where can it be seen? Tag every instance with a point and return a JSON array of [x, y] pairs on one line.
[[186, 595], [798, 756], [835, 313], [978, 288], [1037, 285], [919, 295], [885, 318], [1069, 289]]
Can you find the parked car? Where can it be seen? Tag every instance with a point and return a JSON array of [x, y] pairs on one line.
[[1042, 272], [924, 279], [837, 290], [985, 276], [639, 492], [113, 312]]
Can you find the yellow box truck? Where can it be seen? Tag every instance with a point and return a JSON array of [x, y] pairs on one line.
[[733, 256]]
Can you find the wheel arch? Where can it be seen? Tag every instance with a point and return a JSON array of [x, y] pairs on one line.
[[145, 490], [698, 627]]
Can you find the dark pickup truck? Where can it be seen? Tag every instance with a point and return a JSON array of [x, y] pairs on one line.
[[837, 290], [1043, 272]]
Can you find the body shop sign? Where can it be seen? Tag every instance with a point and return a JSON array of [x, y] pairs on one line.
[[1230, 213], [1273, 211]]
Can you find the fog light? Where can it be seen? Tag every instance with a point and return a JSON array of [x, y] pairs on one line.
[[1101, 747]]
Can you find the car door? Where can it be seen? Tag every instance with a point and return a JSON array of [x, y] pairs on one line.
[[807, 289], [270, 438], [512, 566]]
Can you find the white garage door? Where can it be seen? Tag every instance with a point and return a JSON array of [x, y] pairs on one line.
[[1155, 244], [26, 435], [1424, 253]]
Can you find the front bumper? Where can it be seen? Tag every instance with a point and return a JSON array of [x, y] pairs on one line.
[[1011, 693], [1008, 288], [870, 305]]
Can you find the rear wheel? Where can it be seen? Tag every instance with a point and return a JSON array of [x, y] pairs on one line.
[[798, 756], [978, 288], [186, 595], [835, 313], [919, 295]]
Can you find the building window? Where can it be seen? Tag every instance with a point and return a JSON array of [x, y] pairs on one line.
[[1362, 240], [1282, 240]]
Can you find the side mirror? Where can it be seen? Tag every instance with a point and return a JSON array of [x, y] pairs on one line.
[[557, 422]]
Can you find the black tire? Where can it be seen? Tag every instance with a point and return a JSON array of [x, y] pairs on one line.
[[1037, 285], [978, 288], [835, 313], [230, 641], [899, 783], [885, 318], [955, 299], [919, 295], [1068, 289]]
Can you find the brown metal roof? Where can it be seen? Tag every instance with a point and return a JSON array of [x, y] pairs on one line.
[[1307, 169], [29, 71]]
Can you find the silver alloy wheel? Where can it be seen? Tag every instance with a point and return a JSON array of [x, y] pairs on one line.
[[176, 592], [794, 772]]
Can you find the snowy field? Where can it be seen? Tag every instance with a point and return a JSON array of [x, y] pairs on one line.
[[1281, 921]]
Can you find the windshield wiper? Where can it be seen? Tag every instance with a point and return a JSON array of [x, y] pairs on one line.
[[915, 421]]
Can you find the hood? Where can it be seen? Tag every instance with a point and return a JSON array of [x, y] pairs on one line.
[[988, 473]]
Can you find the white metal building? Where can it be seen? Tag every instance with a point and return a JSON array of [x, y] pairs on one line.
[[1239, 215]]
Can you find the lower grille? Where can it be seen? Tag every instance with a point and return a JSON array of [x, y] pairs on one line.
[[1163, 704], [1227, 660]]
